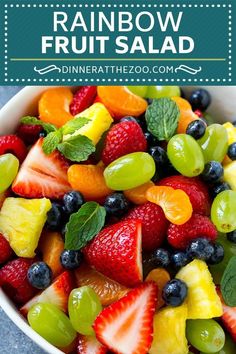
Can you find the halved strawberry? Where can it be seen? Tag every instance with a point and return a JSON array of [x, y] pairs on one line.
[[42, 175], [89, 345], [56, 294], [126, 326], [116, 252], [229, 317]]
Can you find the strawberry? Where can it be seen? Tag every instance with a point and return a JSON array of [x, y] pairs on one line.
[[126, 326], [179, 236], [229, 317], [116, 252], [57, 293], [83, 98], [13, 280], [5, 250], [14, 145], [122, 139], [154, 224], [89, 345], [194, 188], [29, 133], [42, 175]]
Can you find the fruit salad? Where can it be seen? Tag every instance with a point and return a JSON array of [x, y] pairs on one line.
[[117, 221]]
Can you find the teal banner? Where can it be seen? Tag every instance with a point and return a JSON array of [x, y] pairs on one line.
[[117, 42]]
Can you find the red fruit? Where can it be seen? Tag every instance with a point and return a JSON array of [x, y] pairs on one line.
[[179, 236], [126, 326], [116, 252], [194, 188], [57, 293], [89, 345], [154, 224], [42, 175], [14, 145], [97, 99], [83, 98], [122, 139], [229, 317], [29, 133], [198, 113], [13, 280], [5, 250]]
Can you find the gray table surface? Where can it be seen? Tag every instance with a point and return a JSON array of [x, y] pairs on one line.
[[12, 340]]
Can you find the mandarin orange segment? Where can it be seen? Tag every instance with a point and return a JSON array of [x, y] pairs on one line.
[[88, 180], [108, 290], [138, 195], [160, 276], [54, 106], [121, 102], [51, 245], [174, 202], [186, 114]]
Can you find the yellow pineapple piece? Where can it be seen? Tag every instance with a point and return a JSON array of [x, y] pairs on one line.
[[202, 299], [229, 174], [231, 131], [22, 221], [100, 121], [169, 331]]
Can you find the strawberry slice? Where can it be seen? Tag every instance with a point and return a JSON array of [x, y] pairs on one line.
[[116, 252], [229, 317], [126, 326], [89, 345], [57, 293], [42, 175]]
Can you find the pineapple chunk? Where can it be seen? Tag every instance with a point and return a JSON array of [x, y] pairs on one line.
[[202, 300], [229, 174], [169, 331], [100, 121], [231, 131], [22, 221]]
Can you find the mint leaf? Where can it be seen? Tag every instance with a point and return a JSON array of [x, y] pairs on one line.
[[34, 121], [74, 124], [162, 118], [77, 148], [84, 225], [228, 283], [51, 141]]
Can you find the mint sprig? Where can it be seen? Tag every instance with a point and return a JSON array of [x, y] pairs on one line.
[[74, 124], [77, 148], [162, 118], [84, 225], [34, 121], [51, 141], [228, 283]]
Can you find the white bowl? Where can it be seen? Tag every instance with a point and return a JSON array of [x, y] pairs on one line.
[[223, 108]]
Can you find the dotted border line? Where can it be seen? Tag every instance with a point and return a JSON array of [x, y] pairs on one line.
[[117, 6]]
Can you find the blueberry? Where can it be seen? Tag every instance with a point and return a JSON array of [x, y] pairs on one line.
[[71, 259], [200, 99], [234, 123], [72, 202], [39, 275], [42, 134], [174, 292], [179, 259], [200, 248], [116, 204], [54, 217], [151, 139], [218, 188], [218, 254], [232, 151], [212, 172], [159, 155], [128, 119], [231, 236], [160, 258], [149, 101], [196, 129]]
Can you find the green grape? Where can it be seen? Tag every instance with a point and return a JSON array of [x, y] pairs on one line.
[[185, 155], [223, 211], [205, 335], [52, 324], [130, 171], [228, 348], [162, 91], [214, 143], [217, 270], [9, 166], [84, 306], [138, 90]]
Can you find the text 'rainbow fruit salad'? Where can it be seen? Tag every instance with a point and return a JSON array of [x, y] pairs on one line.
[[118, 221]]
